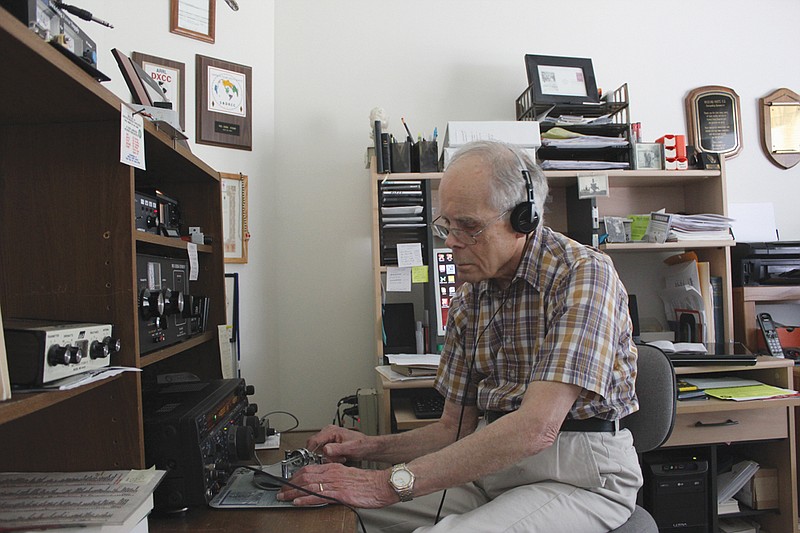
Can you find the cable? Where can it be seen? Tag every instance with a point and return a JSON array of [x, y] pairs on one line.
[[288, 483], [296, 420], [469, 377]]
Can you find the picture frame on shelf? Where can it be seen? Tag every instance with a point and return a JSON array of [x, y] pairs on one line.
[[648, 156], [234, 217], [561, 80], [224, 103], [195, 19], [170, 77]]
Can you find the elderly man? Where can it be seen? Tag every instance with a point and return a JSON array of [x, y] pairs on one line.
[[538, 366]]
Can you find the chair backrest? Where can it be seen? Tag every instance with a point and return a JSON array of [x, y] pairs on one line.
[[652, 424]]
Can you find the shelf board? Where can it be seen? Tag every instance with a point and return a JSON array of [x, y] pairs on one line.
[[25, 403], [774, 293], [169, 242], [654, 247], [174, 349]]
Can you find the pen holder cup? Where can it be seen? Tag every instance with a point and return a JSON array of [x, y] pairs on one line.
[[425, 157], [401, 156]]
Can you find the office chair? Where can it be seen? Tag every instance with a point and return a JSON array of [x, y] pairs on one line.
[[652, 424]]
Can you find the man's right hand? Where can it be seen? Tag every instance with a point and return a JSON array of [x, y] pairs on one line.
[[337, 444]]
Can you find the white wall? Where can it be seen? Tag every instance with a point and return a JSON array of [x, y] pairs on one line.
[[306, 292]]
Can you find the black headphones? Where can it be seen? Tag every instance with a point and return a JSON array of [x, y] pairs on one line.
[[524, 217]]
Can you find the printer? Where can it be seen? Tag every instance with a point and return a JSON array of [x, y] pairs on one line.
[[765, 263]]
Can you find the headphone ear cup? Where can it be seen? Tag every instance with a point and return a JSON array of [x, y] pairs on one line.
[[521, 218]]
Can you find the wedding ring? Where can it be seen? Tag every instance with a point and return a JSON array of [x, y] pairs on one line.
[[320, 488]]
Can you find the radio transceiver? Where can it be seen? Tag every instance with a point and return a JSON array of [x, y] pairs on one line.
[[41, 351], [198, 432], [168, 314]]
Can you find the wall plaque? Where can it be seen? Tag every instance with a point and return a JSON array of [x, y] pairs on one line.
[[714, 120], [780, 127]]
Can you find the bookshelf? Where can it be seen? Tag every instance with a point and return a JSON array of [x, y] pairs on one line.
[[68, 248]]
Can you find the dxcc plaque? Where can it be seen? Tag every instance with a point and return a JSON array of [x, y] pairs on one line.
[[714, 119]]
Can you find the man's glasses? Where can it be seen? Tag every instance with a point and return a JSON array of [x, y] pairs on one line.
[[463, 236]]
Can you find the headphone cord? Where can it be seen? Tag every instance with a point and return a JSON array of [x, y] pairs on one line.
[[469, 377]]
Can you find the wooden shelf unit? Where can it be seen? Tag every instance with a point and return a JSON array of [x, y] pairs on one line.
[[68, 247]]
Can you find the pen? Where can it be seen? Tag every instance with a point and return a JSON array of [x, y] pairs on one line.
[[409, 138]]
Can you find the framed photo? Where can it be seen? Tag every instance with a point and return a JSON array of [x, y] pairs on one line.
[[648, 156], [234, 217], [561, 80], [592, 185], [170, 77], [224, 105], [193, 18]]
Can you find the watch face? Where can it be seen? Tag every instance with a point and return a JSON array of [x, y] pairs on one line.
[[401, 478]]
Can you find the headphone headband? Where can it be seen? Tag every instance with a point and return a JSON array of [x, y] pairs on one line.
[[524, 217]]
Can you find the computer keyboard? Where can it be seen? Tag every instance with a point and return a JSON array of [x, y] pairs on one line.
[[427, 403]]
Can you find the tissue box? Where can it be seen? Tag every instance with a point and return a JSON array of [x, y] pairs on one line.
[[761, 492]]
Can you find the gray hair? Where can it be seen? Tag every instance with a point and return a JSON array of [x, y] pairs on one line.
[[508, 187]]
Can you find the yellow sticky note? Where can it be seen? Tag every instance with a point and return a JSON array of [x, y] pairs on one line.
[[419, 274]]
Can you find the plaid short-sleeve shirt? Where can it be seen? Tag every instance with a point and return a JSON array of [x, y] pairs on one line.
[[564, 318]]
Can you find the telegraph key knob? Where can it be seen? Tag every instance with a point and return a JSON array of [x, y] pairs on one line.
[[75, 354]]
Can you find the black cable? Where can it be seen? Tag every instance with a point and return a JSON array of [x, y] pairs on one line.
[[469, 377], [288, 483], [296, 420]]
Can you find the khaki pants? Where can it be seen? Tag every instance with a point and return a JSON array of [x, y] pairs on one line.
[[586, 482]]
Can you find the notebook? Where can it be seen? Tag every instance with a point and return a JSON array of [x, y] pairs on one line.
[[733, 353]]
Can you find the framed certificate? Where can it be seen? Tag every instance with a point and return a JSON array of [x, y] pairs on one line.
[[193, 18], [234, 218], [224, 103]]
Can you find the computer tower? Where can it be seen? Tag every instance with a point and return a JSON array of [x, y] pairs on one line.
[[676, 493]]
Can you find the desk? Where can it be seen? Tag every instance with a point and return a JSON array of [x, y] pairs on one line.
[[764, 430], [208, 520]]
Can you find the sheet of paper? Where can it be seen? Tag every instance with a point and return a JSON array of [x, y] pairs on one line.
[[409, 254], [412, 359], [131, 138], [753, 222], [419, 274], [191, 249], [398, 279]]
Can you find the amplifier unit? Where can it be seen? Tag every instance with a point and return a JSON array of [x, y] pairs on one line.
[[42, 351], [157, 213], [168, 314], [198, 432]]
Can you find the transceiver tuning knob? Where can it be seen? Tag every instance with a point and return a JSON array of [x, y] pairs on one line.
[[58, 355], [173, 302], [151, 303]]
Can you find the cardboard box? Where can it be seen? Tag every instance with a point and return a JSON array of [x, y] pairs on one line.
[[523, 133], [761, 492]]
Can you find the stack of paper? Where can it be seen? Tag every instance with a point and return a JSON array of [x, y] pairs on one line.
[[562, 138], [112, 501], [737, 389], [729, 483]]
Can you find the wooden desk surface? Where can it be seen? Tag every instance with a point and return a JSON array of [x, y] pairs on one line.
[[333, 518]]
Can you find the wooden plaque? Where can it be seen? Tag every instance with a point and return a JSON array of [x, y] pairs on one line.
[[714, 120], [780, 127], [224, 103]]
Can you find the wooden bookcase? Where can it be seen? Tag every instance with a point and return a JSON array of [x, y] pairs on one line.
[[68, 247]]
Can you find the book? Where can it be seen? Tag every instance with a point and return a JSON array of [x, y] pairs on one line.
[[698, 394], [414, 371], [716, 311], [706, 291], [684, 386], [679, 347]]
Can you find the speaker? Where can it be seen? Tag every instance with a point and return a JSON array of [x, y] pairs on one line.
[[399, 328], [524, 217]]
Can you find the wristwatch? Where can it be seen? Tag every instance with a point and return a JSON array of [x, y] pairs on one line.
[[402, 481]]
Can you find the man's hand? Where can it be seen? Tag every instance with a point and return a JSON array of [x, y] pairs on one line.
[[337, 444], [365, 489]]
